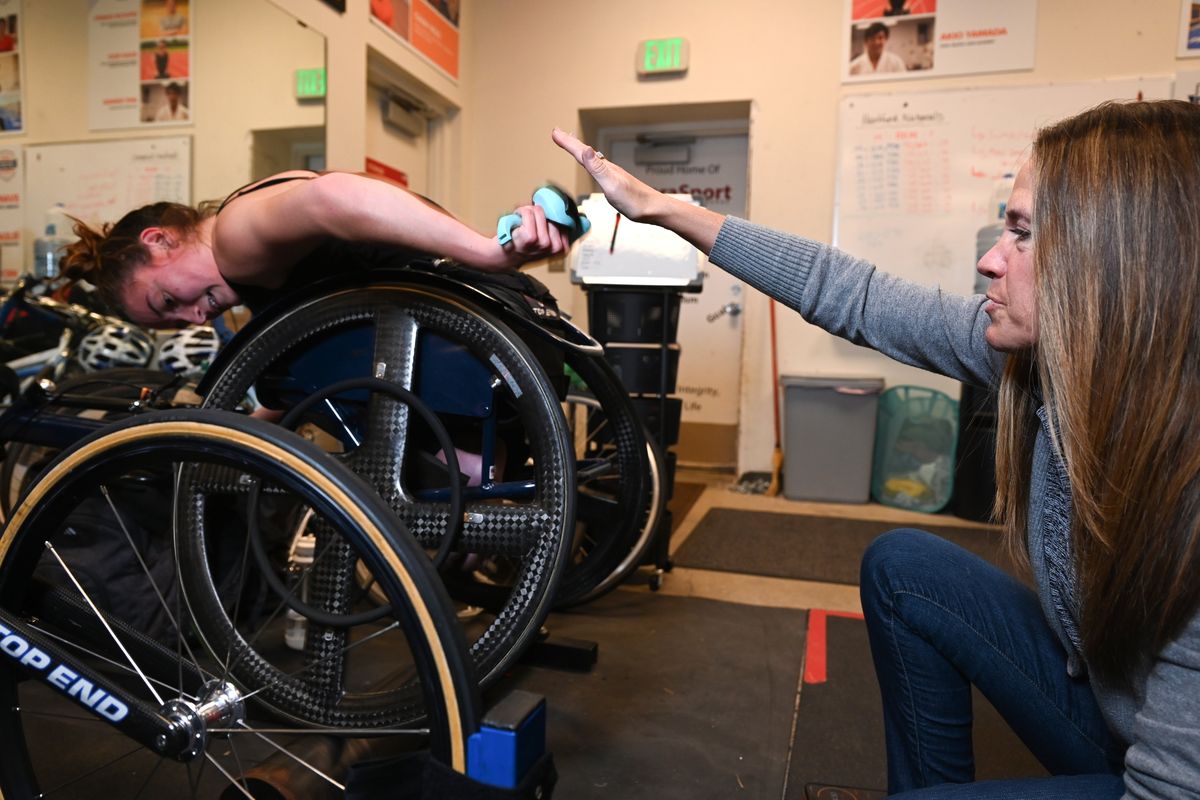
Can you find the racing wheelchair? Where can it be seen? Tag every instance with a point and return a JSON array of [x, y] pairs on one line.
[[363, 354], [121, 698], [548, 514], [398, 372], [356, 360]]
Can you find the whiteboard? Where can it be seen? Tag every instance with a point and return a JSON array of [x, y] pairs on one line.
[[100, 181], [917, 171]]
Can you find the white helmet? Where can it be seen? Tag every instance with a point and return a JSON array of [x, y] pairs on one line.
[[189, 351], [116, 345]]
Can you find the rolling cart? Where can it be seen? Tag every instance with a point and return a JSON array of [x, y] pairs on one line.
[[635, 276]]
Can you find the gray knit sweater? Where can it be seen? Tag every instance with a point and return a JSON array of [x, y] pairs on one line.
[[1159, 720]]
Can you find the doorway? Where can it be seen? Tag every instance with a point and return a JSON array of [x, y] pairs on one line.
[[280, 149], [679, 151]]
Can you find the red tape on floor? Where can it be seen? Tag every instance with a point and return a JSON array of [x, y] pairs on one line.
[[815, 662]]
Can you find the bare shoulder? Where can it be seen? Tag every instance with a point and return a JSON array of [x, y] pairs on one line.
[[256, 236], [271, 185]]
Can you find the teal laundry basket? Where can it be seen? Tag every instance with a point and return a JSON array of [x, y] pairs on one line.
[[915, 438]]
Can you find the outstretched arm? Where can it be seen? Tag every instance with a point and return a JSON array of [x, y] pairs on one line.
[[639, 202], [262, 234]]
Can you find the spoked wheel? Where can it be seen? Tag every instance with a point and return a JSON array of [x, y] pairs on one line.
[[617, 496], [494, 398], [89, 575]]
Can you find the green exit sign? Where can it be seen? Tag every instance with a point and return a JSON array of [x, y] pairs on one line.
[[310, 83], [662, 56]]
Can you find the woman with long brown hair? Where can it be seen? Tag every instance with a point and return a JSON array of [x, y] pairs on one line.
[[1092, 332]]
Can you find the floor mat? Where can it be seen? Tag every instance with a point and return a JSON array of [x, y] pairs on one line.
[[839, 724], [690, 698], [801, 547]]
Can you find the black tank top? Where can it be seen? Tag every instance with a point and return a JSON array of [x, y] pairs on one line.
[[330, 257], [521, 293]]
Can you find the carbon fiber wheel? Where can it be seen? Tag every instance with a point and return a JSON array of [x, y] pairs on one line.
[[615, 487], [491, 393], [90, 576]]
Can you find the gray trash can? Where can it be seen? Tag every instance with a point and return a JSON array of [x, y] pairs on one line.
[[829, 437]]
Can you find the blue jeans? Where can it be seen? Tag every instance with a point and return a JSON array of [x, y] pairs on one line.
[[940, 619]]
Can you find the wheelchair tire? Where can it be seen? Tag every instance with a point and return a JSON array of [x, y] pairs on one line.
[[615, 493], [532, 538], [654, 505], [52, 743]]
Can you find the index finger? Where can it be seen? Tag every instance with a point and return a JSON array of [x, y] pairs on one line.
[[569, 143]]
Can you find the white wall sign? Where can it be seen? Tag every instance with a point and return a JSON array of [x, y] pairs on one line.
[[140, 63], [710, 365], [897, 39]]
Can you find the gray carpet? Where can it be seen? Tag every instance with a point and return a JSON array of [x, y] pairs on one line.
[[801, 547], [690, 698]]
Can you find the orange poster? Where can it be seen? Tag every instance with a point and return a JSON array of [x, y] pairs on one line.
[[434, 32], [392, 14], [867, 9]]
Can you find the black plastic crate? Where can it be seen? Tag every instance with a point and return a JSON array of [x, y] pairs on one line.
[[632, 315], [669, 478], [640, 367], [650, 410]]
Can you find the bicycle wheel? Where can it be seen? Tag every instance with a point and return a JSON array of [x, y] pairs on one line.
[[491, 392], [615, 493], [141, 480]]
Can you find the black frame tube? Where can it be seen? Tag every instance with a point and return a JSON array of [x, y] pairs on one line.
[[26, 649]]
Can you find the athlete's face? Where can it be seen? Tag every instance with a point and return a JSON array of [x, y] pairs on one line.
[[179, 286]]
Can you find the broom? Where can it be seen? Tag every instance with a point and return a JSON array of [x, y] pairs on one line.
[[777, 456]]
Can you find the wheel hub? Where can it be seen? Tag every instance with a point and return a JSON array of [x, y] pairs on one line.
[[220, 705]]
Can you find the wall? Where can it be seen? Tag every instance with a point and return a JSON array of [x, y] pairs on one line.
[[536, 64], [528, 65], [246, 52], [384, 143], [361, 52], [243, 62], [246, 55]]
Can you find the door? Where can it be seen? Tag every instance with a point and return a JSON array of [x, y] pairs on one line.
[[710, 163]]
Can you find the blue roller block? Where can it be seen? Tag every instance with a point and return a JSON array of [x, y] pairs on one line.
[[510, 741]]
